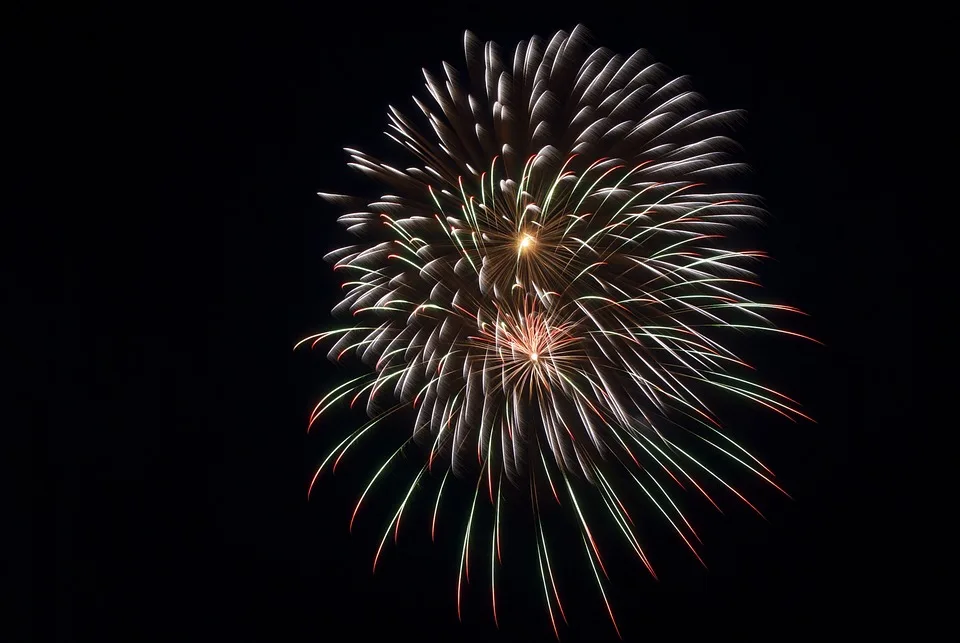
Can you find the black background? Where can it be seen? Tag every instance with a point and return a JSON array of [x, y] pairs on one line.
[[171, 495]]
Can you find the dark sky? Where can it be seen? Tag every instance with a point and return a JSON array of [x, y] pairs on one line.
[[175, 480]]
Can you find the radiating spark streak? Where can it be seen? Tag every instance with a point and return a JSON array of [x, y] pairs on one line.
[[353, 517], [719, 479], [319, 408], [549, 478], [497, 518], [546, 591], [770, 330], [759, 399], [602, 592], [349, 440], [553, 583], [669, 519], [742, 450], [693, 481], [742, 462], [618, 512], [586, 527], [375, 421], [495, 556], [465, 556], [672, 504], [396, 520], [321, 336], [542, 557], [436, 507]]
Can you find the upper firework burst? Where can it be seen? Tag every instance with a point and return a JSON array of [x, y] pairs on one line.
[[549, 286]]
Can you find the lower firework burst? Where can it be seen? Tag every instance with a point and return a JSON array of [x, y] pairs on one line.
[[556, 319]]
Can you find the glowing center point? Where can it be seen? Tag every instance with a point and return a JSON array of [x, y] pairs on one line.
[[533, 357], [526, 242]]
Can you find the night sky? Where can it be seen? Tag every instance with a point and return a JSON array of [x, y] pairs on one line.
[[174, 483]]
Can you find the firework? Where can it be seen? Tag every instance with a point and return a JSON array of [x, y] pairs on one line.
[[550, 288]]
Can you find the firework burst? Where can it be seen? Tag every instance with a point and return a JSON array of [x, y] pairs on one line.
[[549, 288]]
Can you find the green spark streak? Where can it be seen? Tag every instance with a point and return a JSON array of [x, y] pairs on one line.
[[712, 261], [494, 548], [742, 450], [393, 225], [353, 435], [464, 556], [436, 507], [493, 192], [612, 503], [351, 439], [374, 479], [474, 221], [735, 458], [367, 387], [679, 359], [483, 194], [463, 251], [463, 193], [426, 306], [706, 353], [363, 284], [362, 342], [715, 476], [383, 379], [600, 585], [546, 558], [554, 185], [325, 397], [589, 191], [656, 228], [750, 395], [396, 517], [549, 479], [672, 503], [700, 336], [524, 178], [353, 266], [584, 271], [405, 247], [405, 260], [583, 520], [546, 591], [661, 253], [633, 433], [490, 460], [767, 329], [330, 333], [616, 187], [383, 357], [754, 384], [665, 514]]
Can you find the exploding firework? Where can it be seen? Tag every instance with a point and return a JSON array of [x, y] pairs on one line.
[[550, 287]]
